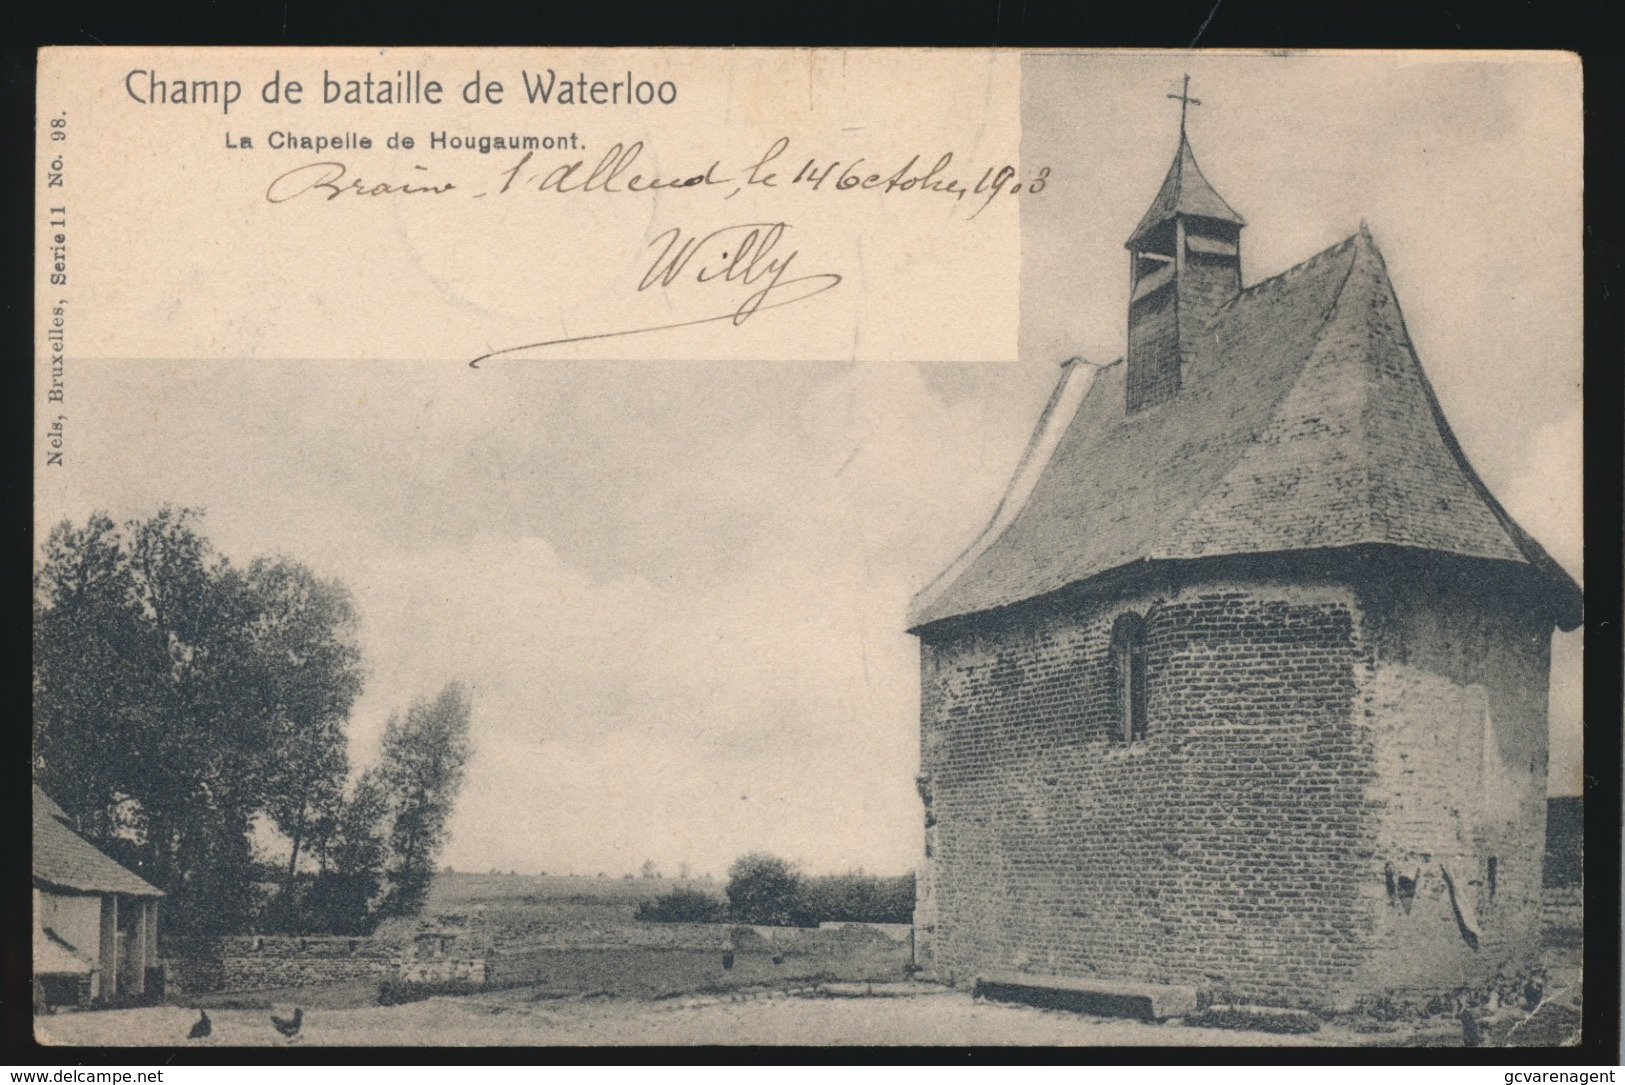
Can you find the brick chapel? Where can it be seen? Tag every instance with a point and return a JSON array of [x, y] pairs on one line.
[[1243, 691]]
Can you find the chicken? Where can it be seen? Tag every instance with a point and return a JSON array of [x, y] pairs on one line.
[[201, 1027], [289, 1028]]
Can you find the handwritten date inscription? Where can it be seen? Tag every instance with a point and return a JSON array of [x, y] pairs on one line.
[[620, 171]]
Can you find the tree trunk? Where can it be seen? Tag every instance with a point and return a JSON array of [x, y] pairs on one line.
[[298, 838]]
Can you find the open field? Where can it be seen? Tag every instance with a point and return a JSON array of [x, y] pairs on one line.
[[460, 891], [519, 906]]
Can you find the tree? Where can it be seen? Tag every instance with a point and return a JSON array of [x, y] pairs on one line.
[[345, 896], [764, 889], [173, 690], [420, 770], [308, 625], [99, 672]]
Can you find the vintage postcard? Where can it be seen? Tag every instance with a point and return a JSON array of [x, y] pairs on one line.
[[881, 547]]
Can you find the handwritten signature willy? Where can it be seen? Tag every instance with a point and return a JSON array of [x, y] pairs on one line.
[[746, 257]]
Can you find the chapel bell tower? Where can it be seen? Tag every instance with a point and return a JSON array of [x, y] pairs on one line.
[[1185, 263]]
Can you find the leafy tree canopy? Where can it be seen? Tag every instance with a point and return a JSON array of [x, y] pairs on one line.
[[178, 696]]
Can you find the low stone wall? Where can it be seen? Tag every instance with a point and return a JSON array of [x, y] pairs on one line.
[[475, 970], [518, 969], [447, 949], [256, 962], [475, 955], [265, 961], [660, 959], [191, 967], [442, 952]]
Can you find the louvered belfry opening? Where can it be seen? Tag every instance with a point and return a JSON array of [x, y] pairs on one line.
[[1185, 264]]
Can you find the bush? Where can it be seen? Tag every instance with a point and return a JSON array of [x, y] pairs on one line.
[[682, 906], [318, 904], [859, 898], [765, 890]]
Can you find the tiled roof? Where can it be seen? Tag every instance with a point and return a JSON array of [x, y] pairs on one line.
[[64, 859], [1304, 422], [1184, 191]]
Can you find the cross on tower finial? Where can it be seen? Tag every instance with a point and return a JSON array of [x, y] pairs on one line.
[[1185, 100]]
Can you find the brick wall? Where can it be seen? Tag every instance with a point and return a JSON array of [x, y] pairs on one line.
[[1562, 915], [1565, 840], [1243, 847], [1454, 689]]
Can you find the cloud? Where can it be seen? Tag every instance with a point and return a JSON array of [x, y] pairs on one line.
[[1545, 493], [737, 677]]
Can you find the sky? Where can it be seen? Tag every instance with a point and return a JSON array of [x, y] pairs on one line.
[[678, 591]]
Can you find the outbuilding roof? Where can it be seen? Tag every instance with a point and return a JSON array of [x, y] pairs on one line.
[[65, 860], [52, 954], [1304, 422]]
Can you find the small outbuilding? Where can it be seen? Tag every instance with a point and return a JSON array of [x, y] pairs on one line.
[[95, 922]]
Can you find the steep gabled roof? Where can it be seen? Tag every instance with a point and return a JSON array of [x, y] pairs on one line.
[[1304, 422], [1184, 191], [64, 859]]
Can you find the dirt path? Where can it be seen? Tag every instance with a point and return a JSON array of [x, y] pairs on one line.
[[931, 1019]]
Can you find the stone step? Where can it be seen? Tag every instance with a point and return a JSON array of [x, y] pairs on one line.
[[1093, 994]]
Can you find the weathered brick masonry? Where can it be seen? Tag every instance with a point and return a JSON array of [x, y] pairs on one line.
[[1217, 852], [1454, 696], [1246, 846]]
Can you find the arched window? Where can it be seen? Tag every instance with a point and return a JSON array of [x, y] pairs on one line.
[[1128, 666]]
